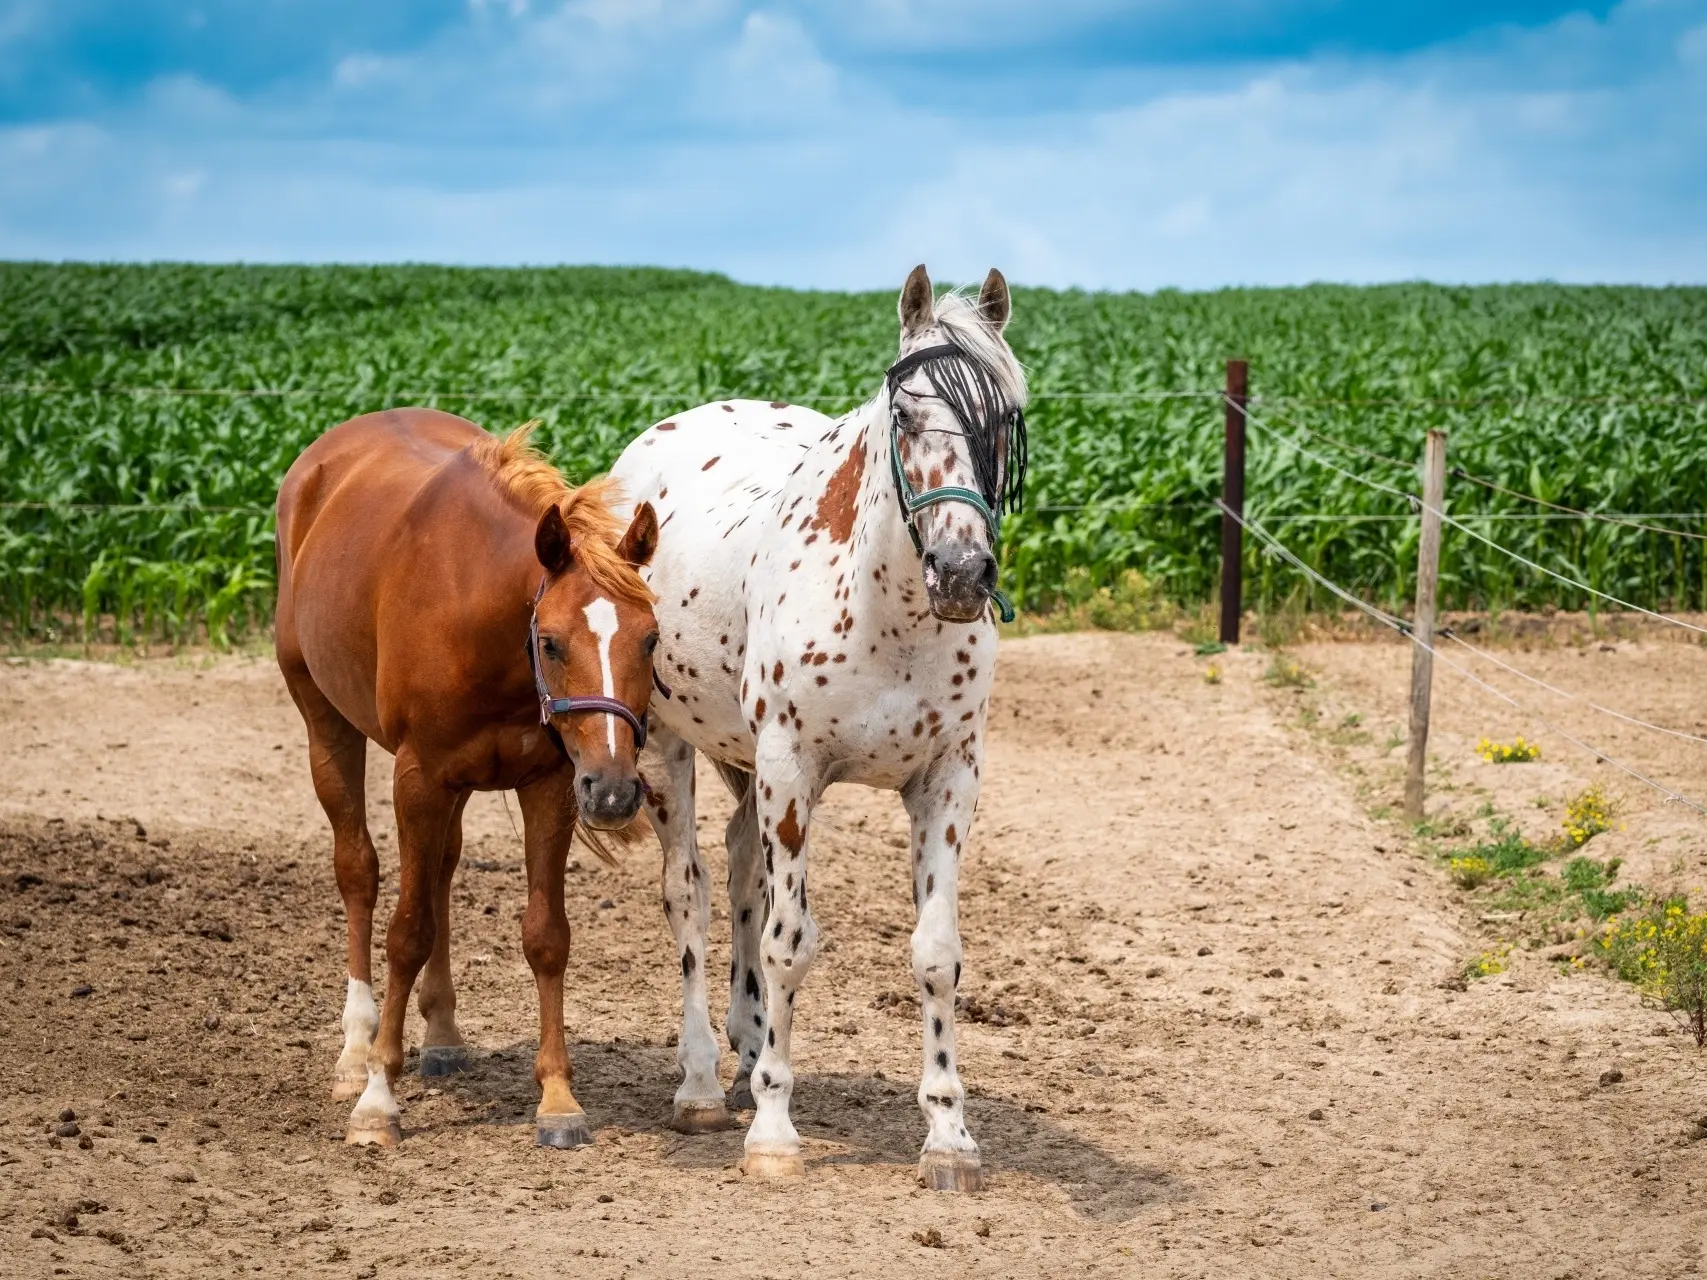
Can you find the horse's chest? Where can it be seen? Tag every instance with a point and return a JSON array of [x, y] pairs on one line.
[[870, 706]]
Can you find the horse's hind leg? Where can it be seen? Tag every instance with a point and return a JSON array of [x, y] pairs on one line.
[[337, 758], [548, 817], [745, 1025], [666, 771], [443, 1050]]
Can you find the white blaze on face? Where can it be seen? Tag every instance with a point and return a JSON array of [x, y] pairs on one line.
[[601, 621]]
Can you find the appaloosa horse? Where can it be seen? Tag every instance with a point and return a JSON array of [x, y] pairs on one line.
[[445, 594], [825, 597]]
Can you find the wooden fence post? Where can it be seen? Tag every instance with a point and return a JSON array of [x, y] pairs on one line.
[[1233, 500], [1422, 627]]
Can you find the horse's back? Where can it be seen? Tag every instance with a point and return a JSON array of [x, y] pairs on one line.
[[717, 477], [378, 456], [341, 508], [723, 447]]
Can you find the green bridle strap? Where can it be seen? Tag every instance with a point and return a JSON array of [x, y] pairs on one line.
[[912, 504]]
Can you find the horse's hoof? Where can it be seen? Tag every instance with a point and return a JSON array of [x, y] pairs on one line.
[[773, 1164], [443, 1059], [699, 1117], [741, 1094], [563, 1131], [951, 1171], [373, 1131], [349, 1084]]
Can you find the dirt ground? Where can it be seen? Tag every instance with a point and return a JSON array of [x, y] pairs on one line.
[[1211, 1023]]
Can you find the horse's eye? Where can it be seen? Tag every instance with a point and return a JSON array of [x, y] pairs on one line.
[[650, 645], [552, 649], [903, 416]]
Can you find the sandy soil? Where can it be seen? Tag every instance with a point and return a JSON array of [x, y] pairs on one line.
[[1211, 1027]]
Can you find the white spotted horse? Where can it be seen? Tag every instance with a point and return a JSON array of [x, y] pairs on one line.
[[825, 591]]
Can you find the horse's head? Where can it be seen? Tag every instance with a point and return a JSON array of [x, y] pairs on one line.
[[593, 657], [956, 403]]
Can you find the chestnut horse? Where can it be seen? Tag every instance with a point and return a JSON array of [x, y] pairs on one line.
[[445, 594]]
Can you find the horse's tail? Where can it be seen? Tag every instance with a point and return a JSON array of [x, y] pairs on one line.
[[735, 778], [297, 504]]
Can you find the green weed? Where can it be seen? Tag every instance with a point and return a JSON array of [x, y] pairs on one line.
[[1286, 672], [1663, 950]]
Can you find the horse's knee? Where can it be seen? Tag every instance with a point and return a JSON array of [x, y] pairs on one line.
[[790, 943], [545, 940], [409, 941], [936, 955]]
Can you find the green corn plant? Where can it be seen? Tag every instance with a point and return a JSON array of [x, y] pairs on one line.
[[1593, 397]]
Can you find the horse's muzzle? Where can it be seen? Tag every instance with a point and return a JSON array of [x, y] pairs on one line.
[[959, 579], [607, 801]]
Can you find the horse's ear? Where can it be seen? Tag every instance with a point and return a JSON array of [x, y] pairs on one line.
[[915, 304], [641, 540], [993, 301], [551, 541]]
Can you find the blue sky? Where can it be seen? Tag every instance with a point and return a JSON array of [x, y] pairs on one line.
[[1191, 143]]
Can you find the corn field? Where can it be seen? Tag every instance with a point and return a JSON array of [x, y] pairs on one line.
[[128, 513]]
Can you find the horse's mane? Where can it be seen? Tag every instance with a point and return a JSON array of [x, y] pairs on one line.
[[525, 476], [958, 317]]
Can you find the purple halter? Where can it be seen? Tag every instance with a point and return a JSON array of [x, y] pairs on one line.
[[550, 706]]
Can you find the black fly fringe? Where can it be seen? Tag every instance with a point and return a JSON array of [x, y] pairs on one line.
[[995, 429]]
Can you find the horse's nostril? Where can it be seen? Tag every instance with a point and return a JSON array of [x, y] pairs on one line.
[[987, 577]]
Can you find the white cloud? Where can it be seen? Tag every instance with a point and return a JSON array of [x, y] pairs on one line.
[[692, 135]]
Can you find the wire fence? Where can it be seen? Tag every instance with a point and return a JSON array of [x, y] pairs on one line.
[[611, 393], [690, 395], [1419, 505], [1272, 546], [1649, 522], [1282, 428], [1275, 547], [1636, 520]]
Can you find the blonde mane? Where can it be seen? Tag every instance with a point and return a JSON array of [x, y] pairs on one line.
[[961, 323], [525, 476]]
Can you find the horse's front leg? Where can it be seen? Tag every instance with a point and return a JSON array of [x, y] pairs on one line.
[[941, 803], [787, 945], [666, 774], [424, 811], [548, 825]]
